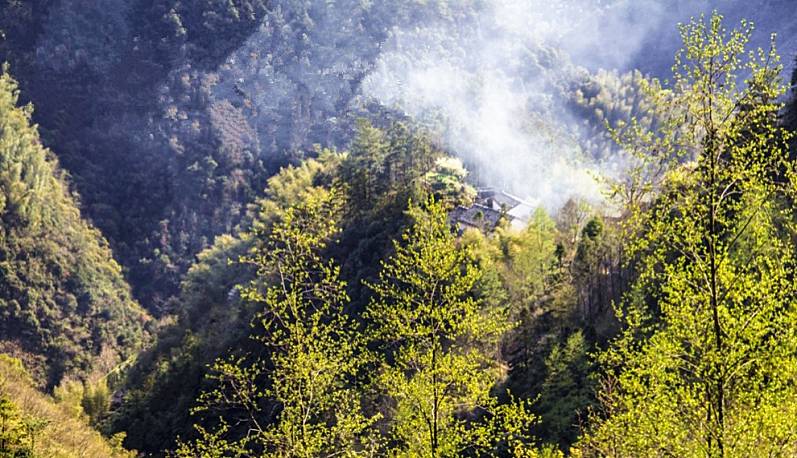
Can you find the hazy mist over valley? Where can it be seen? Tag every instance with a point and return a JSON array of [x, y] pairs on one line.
[[415, 228]]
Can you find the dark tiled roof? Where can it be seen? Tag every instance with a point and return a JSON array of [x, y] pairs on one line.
[[478, 216], [498, 200], [490, 206]]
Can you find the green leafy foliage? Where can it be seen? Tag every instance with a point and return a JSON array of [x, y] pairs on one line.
[[309, 352], [447, 182], [532, 272], [705, 364], [62, 296], [166, 379], [33, 424], [14, 439], [386, 168], [567, 390], [439, 342]]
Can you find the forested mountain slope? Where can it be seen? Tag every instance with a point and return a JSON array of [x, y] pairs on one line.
[[215, 318], [559, 279], [34, 424], [281, 186], [66, 308], [171, 117]]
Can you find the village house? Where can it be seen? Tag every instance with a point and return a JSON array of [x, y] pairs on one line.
[[490, 208]]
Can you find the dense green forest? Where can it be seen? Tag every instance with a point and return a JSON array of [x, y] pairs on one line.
[[233, 228], [67, 310]]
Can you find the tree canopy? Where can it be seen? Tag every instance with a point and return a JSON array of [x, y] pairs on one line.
[[64, 304]]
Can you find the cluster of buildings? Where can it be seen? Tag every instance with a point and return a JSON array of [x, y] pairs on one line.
[[490, 208]]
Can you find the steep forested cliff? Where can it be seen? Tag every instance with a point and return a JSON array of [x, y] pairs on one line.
[[379, 228], [66, 308], [171, 117]]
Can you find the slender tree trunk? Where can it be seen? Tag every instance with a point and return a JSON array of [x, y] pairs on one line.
[[718, 398], [434, 401]]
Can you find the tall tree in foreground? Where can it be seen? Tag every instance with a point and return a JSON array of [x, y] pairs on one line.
[[293, 400], [440, 344], [706, 365]]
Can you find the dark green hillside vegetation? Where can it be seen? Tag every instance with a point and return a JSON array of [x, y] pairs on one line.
[[171, 115], [65, 308], [607, 98], [167, 378], [355, 228], [297, 389], [523, 275]]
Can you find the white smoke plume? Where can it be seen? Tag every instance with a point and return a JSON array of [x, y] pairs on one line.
[[492, 84]]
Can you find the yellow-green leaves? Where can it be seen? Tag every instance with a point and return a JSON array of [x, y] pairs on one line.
[[698, 370], [440, 343], [294, 396]]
